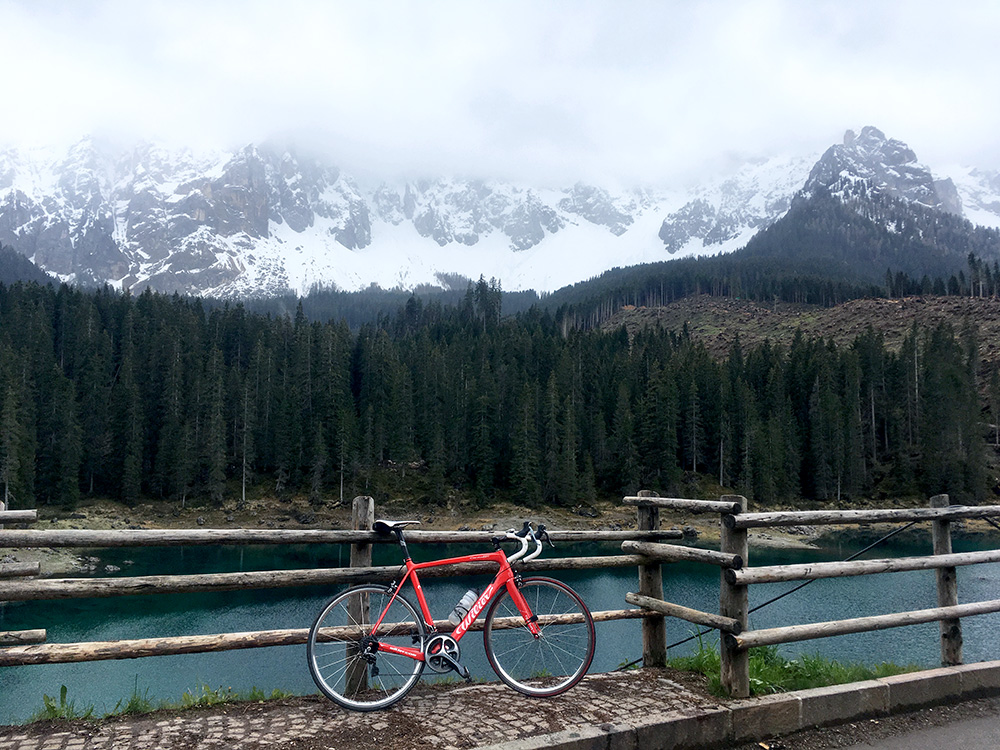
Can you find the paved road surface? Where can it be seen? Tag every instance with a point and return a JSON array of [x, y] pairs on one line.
[[966, 734], [968, 725]]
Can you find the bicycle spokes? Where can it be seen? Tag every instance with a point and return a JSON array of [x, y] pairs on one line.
[[346, 656], [554, 660]]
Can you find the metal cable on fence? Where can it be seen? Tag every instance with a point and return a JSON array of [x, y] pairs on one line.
[[791, 590]]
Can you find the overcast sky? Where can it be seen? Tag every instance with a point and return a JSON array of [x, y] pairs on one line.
[[651, 92]]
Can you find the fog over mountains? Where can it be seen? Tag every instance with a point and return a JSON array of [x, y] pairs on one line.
[[267, 219]]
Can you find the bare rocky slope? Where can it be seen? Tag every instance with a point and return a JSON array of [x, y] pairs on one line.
[[717, 321]]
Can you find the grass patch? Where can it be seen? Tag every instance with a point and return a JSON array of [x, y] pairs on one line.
[[139, 703], [62, 709], [136, 704], [204, 697], [770, 672]]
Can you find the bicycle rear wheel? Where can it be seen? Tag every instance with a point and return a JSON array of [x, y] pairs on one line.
[[555, 661], [342, 653]]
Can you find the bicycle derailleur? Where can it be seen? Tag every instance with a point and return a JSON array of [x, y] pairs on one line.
[[367, 648], [442, 654]]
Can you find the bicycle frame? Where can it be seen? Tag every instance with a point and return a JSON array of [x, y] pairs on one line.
[[505, 577]]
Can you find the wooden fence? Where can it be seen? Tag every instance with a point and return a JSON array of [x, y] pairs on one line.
[[21, 582], [736, 577], [643, 548]]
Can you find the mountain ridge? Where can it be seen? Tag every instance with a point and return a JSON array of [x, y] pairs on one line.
[[266, 220]]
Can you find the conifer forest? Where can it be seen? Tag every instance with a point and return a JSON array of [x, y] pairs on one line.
[[131, 397]]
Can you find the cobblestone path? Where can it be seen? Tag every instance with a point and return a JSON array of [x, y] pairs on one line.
[[450, 717]]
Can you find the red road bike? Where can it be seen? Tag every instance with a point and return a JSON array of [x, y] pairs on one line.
[[369, 645]]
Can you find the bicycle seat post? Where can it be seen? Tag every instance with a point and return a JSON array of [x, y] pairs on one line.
[[394, 527], [402, 543]]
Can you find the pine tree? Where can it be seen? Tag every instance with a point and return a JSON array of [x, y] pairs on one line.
[[552, 442], [944, 446], [174, 465], [93, 380], [994, 401], [127, 406], [12, 444], [213, 449], [568, 482], [59, 445], [244, 429], [483, 446], [827, 437], [657, 431], [319, 462], [971, 417], [623, 448], [853, 459], [525, 464]]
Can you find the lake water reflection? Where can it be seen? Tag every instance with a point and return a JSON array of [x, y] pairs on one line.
[[103, 684]]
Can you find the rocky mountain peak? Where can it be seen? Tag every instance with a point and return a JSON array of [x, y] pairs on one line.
[[888, 164]]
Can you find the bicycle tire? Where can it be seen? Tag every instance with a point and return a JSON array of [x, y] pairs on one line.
[[552, 663], [345, 675]]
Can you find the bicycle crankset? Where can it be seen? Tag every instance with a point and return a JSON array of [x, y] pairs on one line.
[[442, 654]]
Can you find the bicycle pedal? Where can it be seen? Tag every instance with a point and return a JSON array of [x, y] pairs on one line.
[[464, 672]]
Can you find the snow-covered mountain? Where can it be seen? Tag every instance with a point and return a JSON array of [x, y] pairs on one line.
[[265, 220], [888, 165]]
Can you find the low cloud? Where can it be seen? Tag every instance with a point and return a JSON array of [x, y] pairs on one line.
[[637, 92]]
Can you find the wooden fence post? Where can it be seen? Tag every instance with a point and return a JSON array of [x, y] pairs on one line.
[[733, 602], [654, 629], [362, 519], [947, 588]]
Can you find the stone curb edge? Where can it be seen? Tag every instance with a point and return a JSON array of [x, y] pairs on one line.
[[776, 715]]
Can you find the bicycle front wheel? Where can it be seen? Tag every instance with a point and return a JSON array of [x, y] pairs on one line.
[[556, 660], [342, 648]]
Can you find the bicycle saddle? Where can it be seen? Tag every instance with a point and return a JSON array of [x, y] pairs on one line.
[[387, 527]]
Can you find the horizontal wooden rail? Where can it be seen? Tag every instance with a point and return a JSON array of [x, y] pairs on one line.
[[21, 637], [30, 538], [706, 619], [81, 588], [65, 653], [608, 536], [823, 517], [678, 503], [792, 633], [842, 569], [18, 516], [19, 570], [677, 553]]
